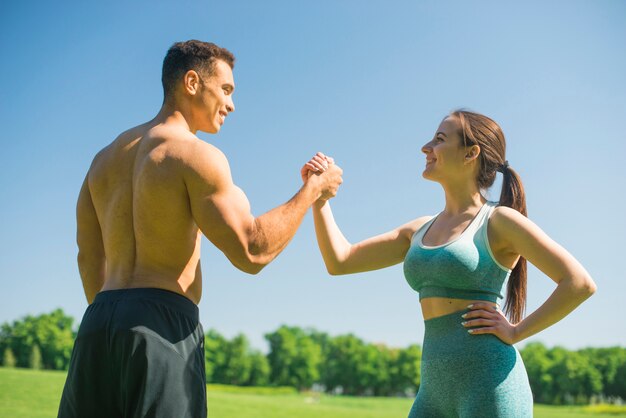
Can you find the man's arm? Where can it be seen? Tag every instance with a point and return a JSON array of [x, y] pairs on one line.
[[222, 211], [91, 259]]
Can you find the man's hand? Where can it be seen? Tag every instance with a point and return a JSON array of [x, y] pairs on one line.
[[316, 165], [326, 172]]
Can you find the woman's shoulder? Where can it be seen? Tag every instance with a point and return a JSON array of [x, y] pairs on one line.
[[505, 221], [410, 228]]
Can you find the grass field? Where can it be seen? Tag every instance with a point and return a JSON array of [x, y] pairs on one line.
[[35, 394]]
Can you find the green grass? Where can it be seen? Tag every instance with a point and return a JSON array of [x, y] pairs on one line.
[[30, 393], [34, 394]]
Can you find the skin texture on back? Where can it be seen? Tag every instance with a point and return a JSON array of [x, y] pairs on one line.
[[149, 235]]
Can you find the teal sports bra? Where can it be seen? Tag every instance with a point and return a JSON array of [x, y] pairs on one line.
[[463, 268]]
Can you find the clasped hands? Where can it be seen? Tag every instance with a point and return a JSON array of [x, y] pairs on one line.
[[323, 166]]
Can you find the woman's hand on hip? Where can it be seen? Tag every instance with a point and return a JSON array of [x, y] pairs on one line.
[[487, 318]]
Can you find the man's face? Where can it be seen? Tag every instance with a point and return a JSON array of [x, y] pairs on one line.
[[216, 97]]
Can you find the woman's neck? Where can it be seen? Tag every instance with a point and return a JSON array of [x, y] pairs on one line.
[[462, 197]]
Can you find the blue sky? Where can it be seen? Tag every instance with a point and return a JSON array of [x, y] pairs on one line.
[[365, 82]]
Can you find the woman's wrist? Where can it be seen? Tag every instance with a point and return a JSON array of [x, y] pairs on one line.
[[517, 333], [319, 204]]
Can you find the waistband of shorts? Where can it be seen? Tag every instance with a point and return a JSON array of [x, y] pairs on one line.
[[168, 298]]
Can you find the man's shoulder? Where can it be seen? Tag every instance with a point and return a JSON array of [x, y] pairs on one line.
[[198, 161], [185, 146], [121, 144], [204, 163]]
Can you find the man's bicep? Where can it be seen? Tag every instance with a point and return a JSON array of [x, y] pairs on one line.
[[221, 211], [223, 216], [219, 208]]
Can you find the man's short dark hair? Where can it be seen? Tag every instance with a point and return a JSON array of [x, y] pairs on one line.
[[192, 55]]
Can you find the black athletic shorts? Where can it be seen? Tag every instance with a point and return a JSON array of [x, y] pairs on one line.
[[138, 353]]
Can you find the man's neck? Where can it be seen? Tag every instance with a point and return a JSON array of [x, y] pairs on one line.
[[173, 115]]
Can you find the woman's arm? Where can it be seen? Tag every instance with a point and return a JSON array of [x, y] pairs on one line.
[[515, 234], [339, 255], [374, 253]]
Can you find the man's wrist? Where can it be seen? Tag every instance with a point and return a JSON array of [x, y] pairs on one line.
[[313, 187]]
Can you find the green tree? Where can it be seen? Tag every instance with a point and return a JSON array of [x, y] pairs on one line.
[[259, 370], [342, 365], [294, 357], [52, 333], [538, 362], [618, 387], [238, 362], [234, 362], [34, 361], [575, 378], [406, 373], [373, 369], [214, 356], [607, 361], [8, 358]]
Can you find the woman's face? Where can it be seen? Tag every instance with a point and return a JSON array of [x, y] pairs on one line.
[[445, 153]]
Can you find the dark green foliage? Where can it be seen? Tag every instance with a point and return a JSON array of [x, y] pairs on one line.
[[559, 376], [51, 333], [294, 357], [354, 367], [8, 358], [234, 362], [34, 361], [304, 358]]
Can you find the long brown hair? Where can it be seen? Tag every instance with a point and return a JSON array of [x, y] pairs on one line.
[[477, 129]]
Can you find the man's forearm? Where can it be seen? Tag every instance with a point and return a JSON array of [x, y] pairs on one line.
[[273, 230]]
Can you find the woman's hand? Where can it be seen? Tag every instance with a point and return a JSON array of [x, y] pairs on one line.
[[316, 165], [487, 318]]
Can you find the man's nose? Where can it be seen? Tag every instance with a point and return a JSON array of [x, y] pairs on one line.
[[230, 106]]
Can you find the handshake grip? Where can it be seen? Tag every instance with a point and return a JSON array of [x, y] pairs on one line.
[[326, 172]]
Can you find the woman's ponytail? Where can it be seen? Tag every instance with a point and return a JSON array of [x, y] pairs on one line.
[[477, 129], [513, 196]]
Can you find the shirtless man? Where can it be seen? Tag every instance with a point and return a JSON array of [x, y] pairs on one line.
[[143, 207]]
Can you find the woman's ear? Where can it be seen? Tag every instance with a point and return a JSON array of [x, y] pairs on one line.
[[472, 153]]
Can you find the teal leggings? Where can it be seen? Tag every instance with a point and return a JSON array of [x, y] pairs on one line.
[[469, 376]]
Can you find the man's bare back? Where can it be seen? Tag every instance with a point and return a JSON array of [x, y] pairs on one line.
[[139, 194], [152, 192]]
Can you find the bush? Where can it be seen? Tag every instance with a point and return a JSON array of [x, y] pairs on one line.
[[35, 358], [8, 359]]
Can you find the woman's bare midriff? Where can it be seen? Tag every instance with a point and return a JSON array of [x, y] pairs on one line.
[[434, 307]]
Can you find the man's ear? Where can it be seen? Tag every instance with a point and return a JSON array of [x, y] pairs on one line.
[[191, 82]]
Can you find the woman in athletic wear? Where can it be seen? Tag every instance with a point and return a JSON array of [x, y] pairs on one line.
[[459, 261]]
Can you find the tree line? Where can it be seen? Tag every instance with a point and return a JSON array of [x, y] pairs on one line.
[[345, 364]]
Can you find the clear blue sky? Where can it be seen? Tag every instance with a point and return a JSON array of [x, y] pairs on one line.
[[365, 82]]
